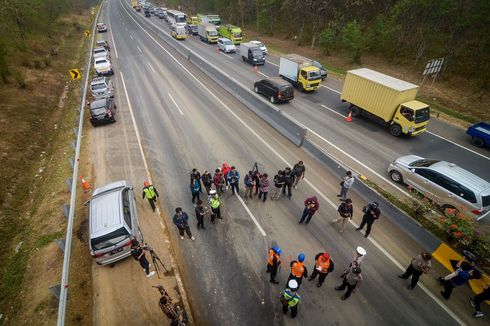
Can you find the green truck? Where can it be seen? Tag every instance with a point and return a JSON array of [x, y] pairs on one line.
[[231, 32], [213, 19]]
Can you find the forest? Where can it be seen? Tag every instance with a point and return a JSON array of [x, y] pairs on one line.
[[407, 32]]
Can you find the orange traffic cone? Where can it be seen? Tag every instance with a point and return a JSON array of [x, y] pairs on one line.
[[256, 69], [349, 117], [85, 184]]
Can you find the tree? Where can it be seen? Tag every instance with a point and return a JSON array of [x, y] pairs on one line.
[[327, 40], [353, 41]]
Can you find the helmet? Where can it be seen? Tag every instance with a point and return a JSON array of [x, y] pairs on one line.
[[293, 284], [276, 249], [212, 192], [301, 257], [361, 251], [326, 255], [146, 183], [356, 270], [375, 204]]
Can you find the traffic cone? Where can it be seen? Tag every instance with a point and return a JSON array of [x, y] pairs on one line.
[[256, 69], [349, 117], [85, 184]]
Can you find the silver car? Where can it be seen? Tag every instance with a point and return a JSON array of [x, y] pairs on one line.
[[448, 185], [113, 222], [226, 45]]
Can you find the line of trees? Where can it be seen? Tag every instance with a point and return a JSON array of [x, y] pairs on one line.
[[403, 31]]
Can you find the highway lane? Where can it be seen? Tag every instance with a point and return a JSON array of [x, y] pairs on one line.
[[323, 113], [224, 268]]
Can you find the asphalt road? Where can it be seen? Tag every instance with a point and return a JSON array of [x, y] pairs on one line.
[[187, 121], [323, 114]]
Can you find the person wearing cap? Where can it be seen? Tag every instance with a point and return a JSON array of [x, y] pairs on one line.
[[418, 266], [358, 257], [298, 269], [181, 221], [139, 254], [290, 298], [150, 192], [273, 263], [323, 265], [345, 185], [311, 206], [371, 214], [352, 280], [215, 204], [345, 211]]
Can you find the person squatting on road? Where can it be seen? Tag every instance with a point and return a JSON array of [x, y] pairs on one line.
[[195, 190], [225, 168], [288, 181], [352, 280], [298, 269], [478, 299], [311, 206], [181, 220], [200, 213], [151, 193], [418, 266], [465, 271], [298, 172], [264, 187], [169, 308], [215, 204], [273, 263], [371, 214], [345, 210], [278, 184], [219, 181], [233, 178], [249, 182], [345, 185], [138, 254], [207, 180], [290, 299], [323, 265]]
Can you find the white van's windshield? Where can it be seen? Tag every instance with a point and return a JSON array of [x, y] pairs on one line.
[[109, 239]]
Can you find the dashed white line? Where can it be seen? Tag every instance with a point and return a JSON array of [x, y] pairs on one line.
[[151, 67], [333, 90], [138, 49], [110, 30], [131, 36], [333, 111], [461, 146], [182, 113]]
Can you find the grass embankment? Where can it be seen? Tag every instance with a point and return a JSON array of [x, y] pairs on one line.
[[38, 115]]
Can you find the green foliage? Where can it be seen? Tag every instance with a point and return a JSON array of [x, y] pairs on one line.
[[353, 40], [327, 39], [4, 69]]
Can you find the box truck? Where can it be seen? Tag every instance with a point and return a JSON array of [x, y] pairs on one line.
[[231, 32], [386, 100], [207, 32], [300, 72], [252, 53]]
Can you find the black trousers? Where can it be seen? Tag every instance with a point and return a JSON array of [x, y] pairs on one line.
[[414, 273], [349, 287], [215, 213], [200, 221], [286, 185], [273, 271], [294, 310], [479, 298], [194, 196], [264, 194], [234, 187], [307, 212], [187, 230], [369, 223], [152, 202], [321, 278], [145, 264], [448, 289]]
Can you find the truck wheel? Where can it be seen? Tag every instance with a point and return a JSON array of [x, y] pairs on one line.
[[355, 111], [396, 176], [478, 142], [256, 89], [243, 58], [301, 88], [273, 100], [395, 130]]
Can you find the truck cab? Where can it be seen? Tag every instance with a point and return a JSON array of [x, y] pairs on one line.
[[300, 72], [231, 32], [207, 32], [309, 78], [179, 31], [412, 118]]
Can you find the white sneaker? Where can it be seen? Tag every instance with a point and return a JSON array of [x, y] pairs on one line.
[[151, 274], [295, 187], [226, 187], [192, 238], [181, 238]]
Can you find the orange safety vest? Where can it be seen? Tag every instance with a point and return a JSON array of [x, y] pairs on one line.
[[298, 269], [272, 254], [323, 264]]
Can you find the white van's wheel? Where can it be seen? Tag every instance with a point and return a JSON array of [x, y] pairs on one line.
[[256, 89], [396, 176], [273, 99]]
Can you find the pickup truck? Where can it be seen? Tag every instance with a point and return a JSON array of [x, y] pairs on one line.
[[480, 134]]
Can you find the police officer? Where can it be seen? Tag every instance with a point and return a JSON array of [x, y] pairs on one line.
[[151, 193], [273, 263], [215, 204], [298, 269], [139, 254], [352, 280], [371, 214], [323, 265], [290, 299]]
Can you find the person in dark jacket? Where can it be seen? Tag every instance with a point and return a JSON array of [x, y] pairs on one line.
[[278, 184], [219, 181], [323, 265], [311, 206], [478, 299], [463, 273], [299, 173], [264, 187], [181, 221], [371, 214], [249, 182], [345, 210], [195, 190], [257, 180], [233, 178], [288, 181], [207, 180], [195, 175], [200, 213]]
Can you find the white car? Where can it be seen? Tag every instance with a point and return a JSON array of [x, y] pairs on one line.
[[101, 28], [103, 66], [261, 45], [226, 45], [101, 52]]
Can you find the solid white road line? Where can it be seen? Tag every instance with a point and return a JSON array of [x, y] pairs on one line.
[[138, 49], [131, 36], [333, 111], [286, 162], [333, 90], [110, 30], [251, 215], [182, 113], [151, 67]]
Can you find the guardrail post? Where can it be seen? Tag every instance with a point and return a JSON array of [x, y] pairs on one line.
[[75, 131], [72, 162], [74, 145], [69, 183], [55, 290], [66, 209], [61, 244]]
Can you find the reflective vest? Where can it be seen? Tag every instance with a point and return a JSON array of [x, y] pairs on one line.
[[292, 299], [215, 202], [149, 192], [322, 264], [298, 269], [272, 254]]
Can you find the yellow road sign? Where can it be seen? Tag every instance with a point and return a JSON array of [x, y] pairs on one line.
[[87, 33], [75, 74]]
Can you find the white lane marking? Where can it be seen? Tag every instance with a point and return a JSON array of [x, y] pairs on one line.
[[110, 30], [138, 49], [333, 111], [272, 63], [182, 113], [461, 146], [285, 161], [131, 36], [333, 90], [127, 29], [251, 215], [262, 74], [151, 67]]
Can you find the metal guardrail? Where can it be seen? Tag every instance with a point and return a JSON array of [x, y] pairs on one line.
[[73, 185]]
